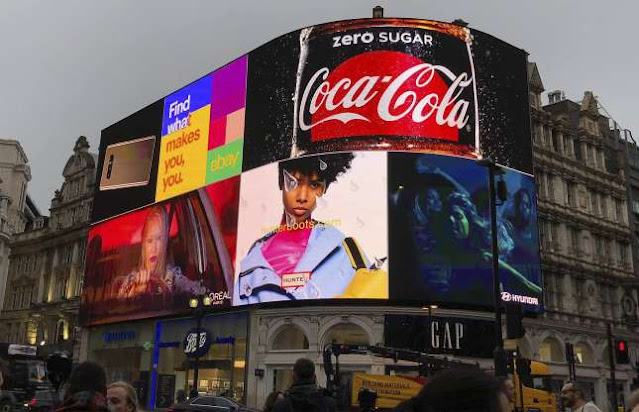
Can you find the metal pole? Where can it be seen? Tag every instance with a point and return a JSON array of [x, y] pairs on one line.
[[499, 355], [611, 359], [196, 364], [232, 388]]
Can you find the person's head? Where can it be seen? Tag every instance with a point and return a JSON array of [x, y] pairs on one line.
[[523, 208], [121, 397], [465, 224], [572, 395], [271, 399], [461, 389], [155, 237], [87, 376], [304, 370], [305, 179], [633, 402], [507, 386], [433, 201]]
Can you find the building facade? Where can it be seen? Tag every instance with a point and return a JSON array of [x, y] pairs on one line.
[[16, 208], [586, 240], [47, 263]]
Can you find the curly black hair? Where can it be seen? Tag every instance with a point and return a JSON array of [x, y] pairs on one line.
[[327, 166]]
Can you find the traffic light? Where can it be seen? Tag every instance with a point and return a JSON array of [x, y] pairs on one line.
[[514, 322], [621, 352]]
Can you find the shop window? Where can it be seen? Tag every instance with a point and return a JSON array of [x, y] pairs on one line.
[[550, 351], [584, 354], [41, 334], [524, 349], [291, 337], [347, 333], [62, 331]]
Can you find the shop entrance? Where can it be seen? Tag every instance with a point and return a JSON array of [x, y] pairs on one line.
[[221, 371], [282, 379]]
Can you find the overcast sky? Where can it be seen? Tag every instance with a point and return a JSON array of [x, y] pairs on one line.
[[71, 68]]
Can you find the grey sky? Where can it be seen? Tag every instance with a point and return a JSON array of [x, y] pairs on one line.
[[71, 68]]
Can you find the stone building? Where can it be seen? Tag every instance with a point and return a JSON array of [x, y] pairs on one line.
[[632, 172], [16, 208], [586, 240], [47, 263]]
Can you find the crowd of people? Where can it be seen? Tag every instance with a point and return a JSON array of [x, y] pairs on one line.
[[449, 390]]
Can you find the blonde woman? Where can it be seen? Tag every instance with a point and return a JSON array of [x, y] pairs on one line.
[[121, 397], [154, 273]]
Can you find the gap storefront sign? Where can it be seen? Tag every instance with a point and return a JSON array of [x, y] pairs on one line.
[[440, 335]]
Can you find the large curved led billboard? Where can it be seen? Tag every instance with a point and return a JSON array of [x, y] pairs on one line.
[[334, 162]]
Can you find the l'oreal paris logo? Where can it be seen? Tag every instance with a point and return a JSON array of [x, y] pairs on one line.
[[410, 90]]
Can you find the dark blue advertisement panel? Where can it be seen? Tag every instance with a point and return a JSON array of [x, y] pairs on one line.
[[440, 223]]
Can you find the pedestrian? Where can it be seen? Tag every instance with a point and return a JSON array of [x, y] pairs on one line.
[[271, 399], [86, 389], [180, 396], [193, 393], [633, 402], [121, 397], [458, 390], [304, 395], [573, 396], [507, 386]]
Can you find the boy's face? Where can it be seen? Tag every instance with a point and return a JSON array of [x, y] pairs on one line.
[[300, 193]]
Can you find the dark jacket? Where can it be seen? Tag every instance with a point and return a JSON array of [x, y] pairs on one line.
[[84, 401], [305, 396]]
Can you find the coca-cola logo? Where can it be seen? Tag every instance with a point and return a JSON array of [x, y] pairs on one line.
[[386, 93]]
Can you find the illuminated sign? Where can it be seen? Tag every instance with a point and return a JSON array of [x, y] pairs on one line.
[[334, 162], [120, 336], [441, 335], [195, 348]]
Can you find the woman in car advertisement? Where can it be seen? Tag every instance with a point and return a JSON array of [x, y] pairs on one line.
[[154, 273]]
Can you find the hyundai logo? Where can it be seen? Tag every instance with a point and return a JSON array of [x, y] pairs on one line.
[[506, 296]]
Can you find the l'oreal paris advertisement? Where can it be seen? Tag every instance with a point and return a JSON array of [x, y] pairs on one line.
[[152, 261]]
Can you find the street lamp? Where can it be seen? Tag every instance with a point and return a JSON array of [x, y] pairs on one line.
[[198, 304], [501, 362]]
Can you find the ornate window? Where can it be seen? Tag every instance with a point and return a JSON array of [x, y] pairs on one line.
[[584, 354], [290, 337], [550, 350], [347, 333]]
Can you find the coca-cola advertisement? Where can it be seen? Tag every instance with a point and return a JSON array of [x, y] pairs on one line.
[[390, 84]]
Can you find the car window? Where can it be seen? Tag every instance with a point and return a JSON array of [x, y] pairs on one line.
[[224, 402], [204, 400]]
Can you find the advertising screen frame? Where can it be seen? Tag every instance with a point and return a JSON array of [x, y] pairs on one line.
[[237, 132]]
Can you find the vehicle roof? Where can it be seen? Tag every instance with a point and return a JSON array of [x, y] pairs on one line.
[[539, 368]]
